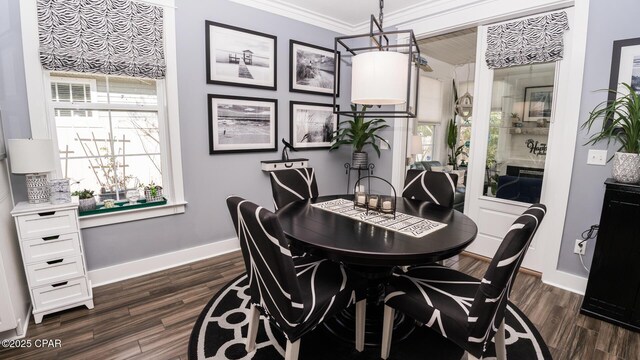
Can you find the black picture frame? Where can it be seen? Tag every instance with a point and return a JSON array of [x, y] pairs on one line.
[[294, 86], [545, 112], [251, 143], [295, 140], [236, 56], [616, 66]]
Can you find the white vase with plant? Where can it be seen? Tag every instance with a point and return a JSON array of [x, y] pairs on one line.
[[621, 122]]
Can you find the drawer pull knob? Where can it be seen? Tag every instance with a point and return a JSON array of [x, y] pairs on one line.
[[288, 165], [59, 284], [55, 237], [55, 261], [48, 213]]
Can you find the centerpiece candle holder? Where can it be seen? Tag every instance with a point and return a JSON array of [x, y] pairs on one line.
[[385, 204]]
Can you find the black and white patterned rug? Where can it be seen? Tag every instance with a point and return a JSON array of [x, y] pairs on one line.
[[221, 329]]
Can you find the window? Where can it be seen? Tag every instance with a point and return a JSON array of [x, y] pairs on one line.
[[107, 131], [427, 133]]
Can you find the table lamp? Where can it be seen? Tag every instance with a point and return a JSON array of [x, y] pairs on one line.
[[33, 158]]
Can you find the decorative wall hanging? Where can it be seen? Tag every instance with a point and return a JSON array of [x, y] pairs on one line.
[[529, 41], [313, 69], [538, 101], [240, 57], [312, 125], [625, 67], [113, 37], [242, 124]]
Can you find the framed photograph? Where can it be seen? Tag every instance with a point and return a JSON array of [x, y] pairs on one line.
[[312, 125], [313, 69], [240, 57], [625, 66], [537, 103], [242, 124]]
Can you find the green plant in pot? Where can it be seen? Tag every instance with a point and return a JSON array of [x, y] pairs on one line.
[[359, 133], [153, 192], [452, 141], [87, 201], [620, 122]]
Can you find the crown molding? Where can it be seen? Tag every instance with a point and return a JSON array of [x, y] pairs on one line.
[[296, 12]]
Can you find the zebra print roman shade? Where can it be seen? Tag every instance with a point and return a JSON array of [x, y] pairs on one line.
[[529, 41], [113, 37]]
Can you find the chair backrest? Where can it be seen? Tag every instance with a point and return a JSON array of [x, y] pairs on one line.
[[437, 187], [488, 308], [272, 278], [292, 185]]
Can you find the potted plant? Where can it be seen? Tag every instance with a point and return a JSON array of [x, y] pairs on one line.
[[153, 192], [620, 121], [452, 141], [87, 200], [358, 133]]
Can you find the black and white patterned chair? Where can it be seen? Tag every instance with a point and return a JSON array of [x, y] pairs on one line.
[[294, 294], [461, 308], [433, 186], [292, 185]]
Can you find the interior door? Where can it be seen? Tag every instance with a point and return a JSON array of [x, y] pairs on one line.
[[514, 139]]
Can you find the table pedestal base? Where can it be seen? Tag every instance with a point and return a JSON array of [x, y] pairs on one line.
[[343, 324]]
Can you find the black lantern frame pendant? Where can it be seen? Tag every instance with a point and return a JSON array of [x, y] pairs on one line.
[[383, 74]]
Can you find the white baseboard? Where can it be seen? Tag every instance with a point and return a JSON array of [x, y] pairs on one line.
[[152, 264], [566, 281], [23, 323]]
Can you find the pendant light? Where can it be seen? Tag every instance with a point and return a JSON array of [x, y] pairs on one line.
[[464, 105], [382, 73]]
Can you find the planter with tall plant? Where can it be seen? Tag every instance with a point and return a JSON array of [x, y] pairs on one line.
[[620, 122], [359, 133], [452, 140]]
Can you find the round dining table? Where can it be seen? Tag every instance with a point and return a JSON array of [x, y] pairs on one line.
[[374, 252]]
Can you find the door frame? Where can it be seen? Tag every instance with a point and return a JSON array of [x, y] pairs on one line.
[[567, 109]]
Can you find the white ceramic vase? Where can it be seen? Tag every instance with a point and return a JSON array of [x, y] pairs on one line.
[[626, 168]]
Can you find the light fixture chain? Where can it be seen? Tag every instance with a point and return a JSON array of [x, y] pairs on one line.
[[380, 16]]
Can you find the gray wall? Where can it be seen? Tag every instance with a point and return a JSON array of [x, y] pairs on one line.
[[587, 189], [208, 179]]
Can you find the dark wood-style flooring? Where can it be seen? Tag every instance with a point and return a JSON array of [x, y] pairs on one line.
[[151, 317]]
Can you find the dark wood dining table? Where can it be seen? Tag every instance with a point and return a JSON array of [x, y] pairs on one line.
[[374, 252]]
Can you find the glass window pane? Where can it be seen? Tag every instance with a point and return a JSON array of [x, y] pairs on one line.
[[135, 132], [89, 88], [132, 91], [518, 132]]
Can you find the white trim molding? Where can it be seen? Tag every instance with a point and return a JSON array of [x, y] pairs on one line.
[[301, 14], [117, 217], [153, 264]]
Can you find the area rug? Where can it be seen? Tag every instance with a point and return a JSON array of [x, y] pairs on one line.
[[221, 329]]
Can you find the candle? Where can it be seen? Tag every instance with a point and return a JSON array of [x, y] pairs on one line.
[[360, 199], [386, 205], [373, 202]]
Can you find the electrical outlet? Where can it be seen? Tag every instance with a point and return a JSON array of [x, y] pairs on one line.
[[580, 247], [597, 157]]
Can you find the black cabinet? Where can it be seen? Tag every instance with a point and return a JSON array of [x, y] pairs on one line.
[[613, 290]]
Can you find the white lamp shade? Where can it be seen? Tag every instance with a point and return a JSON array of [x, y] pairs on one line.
[[416, 144], [379, 78], [31, 156]]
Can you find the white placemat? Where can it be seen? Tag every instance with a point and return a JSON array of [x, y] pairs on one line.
[[403, 223]]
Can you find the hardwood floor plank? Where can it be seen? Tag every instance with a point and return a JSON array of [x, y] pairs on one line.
[[151, 317]]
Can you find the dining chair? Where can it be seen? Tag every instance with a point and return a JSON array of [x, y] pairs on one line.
[[297, 294], [292, 185], [459, 307], [436, 187]]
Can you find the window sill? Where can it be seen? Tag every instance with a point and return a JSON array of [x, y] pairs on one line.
[[117, 217]]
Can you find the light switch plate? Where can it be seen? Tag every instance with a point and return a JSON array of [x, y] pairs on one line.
[[597, 157]]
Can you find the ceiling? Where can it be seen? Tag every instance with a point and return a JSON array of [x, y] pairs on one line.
[[454, 48], [353, 12]]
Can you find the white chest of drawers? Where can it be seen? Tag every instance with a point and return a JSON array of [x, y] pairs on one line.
[[53, 257]]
